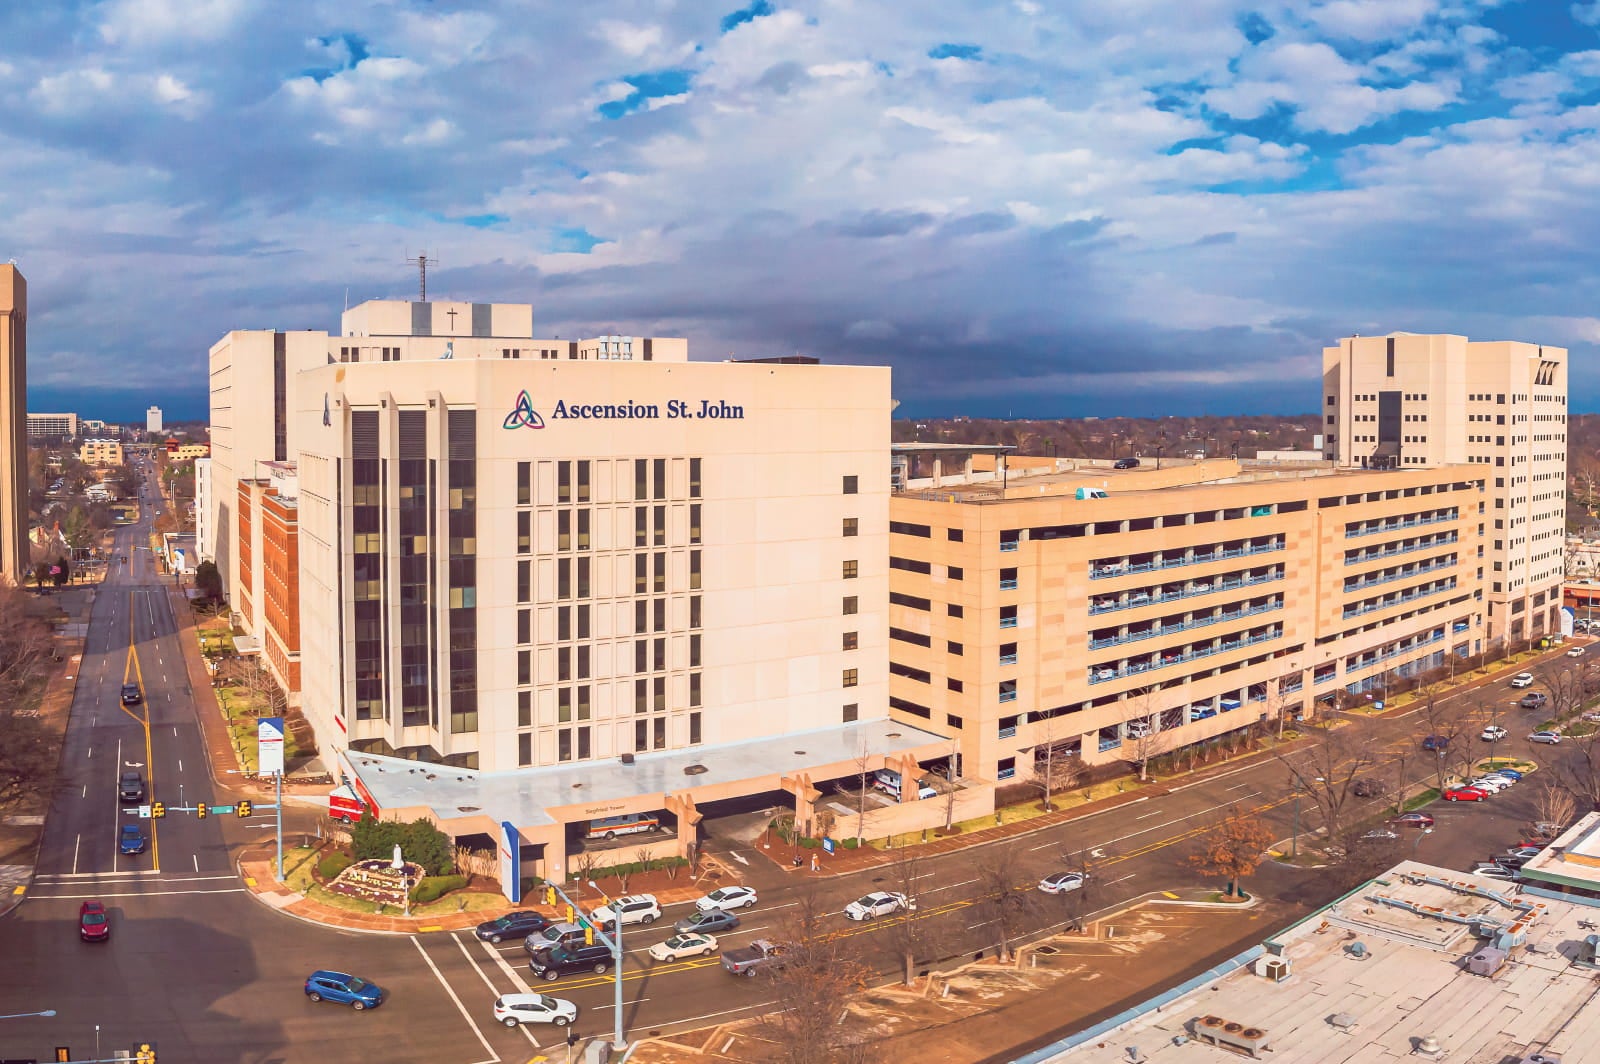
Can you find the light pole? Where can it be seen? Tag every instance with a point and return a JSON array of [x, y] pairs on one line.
[[24, 1015], [618, 1040], [1294, 843]]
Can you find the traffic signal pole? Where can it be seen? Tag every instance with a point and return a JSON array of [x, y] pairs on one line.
[[613, 944], [278, 779]]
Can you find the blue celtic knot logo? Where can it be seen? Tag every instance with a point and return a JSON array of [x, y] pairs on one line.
[[523, 415]]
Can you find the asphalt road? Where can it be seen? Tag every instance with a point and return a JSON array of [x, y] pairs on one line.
[[213, 975]]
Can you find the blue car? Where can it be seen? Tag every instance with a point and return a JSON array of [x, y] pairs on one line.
[[343, 989], [132, 839], [1509, 773]]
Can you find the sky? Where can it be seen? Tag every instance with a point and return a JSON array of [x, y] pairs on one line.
[[1031, 208]]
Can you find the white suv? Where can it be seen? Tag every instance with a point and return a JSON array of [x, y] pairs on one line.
[[1522, 679], [635, 909]]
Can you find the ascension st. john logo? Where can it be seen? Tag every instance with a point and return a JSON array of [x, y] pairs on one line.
[[523, 415]]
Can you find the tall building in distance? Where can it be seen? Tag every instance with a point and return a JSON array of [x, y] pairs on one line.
[[56, 426], [152, 419], [1410, 401], [13, 425]]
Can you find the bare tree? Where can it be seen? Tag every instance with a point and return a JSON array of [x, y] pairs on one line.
[[26, 647], [1053, 768], [1003, 897], [1076, 903], [913, 937], [1446, 734], [1579, 769], [821, 975], [1400, 780], [1233, 848], [863, 763], [262, 688], [1564, 684], [1326, 769], [952, 772], [1146, 742], [1554, 806]]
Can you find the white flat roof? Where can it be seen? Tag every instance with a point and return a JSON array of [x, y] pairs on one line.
[[524, 796], [1413, 982]]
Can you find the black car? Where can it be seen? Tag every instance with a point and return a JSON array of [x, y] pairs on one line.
[[130, 786], [1367, 787], [1125, 463], [714, 922], [131, 695], [512, 925], [553, 964]]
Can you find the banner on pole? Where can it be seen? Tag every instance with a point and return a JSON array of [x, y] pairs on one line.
[[269, 745]]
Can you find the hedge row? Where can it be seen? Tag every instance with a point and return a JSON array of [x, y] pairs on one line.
[[433, 887]]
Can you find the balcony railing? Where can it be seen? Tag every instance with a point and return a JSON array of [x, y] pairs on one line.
[[1404, 574], [1367, 663], [1010, 544], [1104, 674], [1197, 622], [1008, 585], [1389, 552], [1008, 696], [1008, 622], [1006, 733], [1145, 599], [1008, 659], [1398, 600], [1101, 572], [1395, 526]]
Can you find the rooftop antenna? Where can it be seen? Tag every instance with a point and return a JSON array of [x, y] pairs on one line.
[[422, 273]]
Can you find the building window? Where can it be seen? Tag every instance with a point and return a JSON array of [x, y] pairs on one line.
[[524, 709], [952, 721], [851, 485], [957, 573], [524, 581], [694, 478], [694, 570], [641, 527], [1005, 768], [524, 749], [852, 605], [694, 729], [524, 483], [694, 523], [694, 611], [954, 684], [850, 677], [694, 651], [852, 712], [1008, 616], [851, 569], [953, 610], [524, 531], [851, 526], [851, 640], [1008, 579], [524, 626], [564, 744], [694, 688], [641, 478], [955, 535], [954, 648]]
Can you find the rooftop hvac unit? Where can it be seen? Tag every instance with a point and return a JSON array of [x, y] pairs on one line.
[[1486, 961], [1220, 1032], [1274, 968], [1588, 953]]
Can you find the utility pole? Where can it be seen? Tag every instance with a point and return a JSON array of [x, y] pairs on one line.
[[614, 944], [422, 274]]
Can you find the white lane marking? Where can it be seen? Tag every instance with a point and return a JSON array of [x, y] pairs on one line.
[[448, 989], [950, 886], [725, 1012], [492, 988], [116, 806], [1113, 882], [1147, 816], [90, 754], [196, 861], [50, 876], [180, 760], [85, 792], [75, 846], [145, 893]]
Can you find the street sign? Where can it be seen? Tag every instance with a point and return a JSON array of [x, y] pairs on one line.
[[827, 845], [144, 812], [269, 745]]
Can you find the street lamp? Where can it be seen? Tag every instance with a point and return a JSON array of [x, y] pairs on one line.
[[24, 1015], [618, 1040]]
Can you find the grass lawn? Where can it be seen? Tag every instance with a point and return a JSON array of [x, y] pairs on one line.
[[476, 901]]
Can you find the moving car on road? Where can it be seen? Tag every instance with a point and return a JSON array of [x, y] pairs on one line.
[[1062, 882], [712, 921], [518, 924], [1464, 794], [512, 1009], [130, 786], [93, 923], [751, 959], [131, 695], [1533, 700], [131, 840], [1575, 652], [685, 945], [1522, 679], [555, 963], [1551, 737], [342, 989], [878, 903], [1493, 733], [632, 908], [726, 899]]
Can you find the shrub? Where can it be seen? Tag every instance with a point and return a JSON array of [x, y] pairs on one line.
[[331, 865], [419, 841], [434, 887]]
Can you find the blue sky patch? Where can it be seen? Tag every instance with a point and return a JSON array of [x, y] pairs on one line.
[[647, 87], [758, 9], [955, 51], [484, 221], [573, 241]]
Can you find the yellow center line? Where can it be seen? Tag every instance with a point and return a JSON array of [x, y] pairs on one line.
[[131, 667]]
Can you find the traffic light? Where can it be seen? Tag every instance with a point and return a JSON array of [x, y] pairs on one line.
[[549, 895], [144, 1053], [202, 810], [158, 809], [243, 808], [571, 916], [572, 1037], [588, 934], [63, 1053]]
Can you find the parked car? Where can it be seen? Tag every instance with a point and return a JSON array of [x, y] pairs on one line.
[[1435, 742], [1522, 679], [1490, 784], [1494, 872], [342, 989], [93, 923], [1062, 882], [1527, 853], [1551, 737], [727, 898], [1412, 820], [518, 924], [514, 1009], [878, 903], [1493, 733], [1464, 794], [553, 964], [131, 840], [1508, 773], [685, 945], [632, 908], [711, 921], [1368, 787], [131, 695], [1533, 700], [1125, 463]]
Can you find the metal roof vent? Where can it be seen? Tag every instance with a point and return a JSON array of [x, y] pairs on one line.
[[694, 770], [1428, 1046]]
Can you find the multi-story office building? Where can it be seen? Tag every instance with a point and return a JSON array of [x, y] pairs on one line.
[[152, 419], [1104, 614], [13, 425], [54, 426], [205, 534], [1407, 401], [100, 452], [267, 596]]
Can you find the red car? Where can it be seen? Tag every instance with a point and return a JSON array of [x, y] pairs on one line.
[[93, 923], [1412, 820], [1465, 794]]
